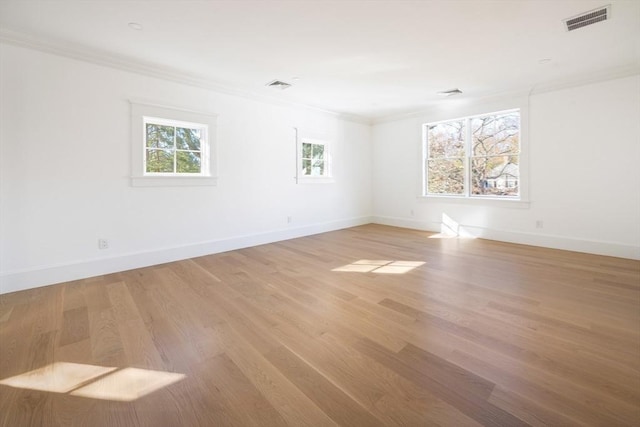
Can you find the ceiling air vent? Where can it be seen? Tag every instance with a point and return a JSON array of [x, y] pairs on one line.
[[597, 15], [277, 84], [450, 92]]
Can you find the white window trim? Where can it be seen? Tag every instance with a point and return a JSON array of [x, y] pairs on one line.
[[500, 105], [327, 178], [141, 110]]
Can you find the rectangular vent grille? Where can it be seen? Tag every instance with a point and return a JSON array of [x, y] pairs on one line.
[[277, 84], [588, 18]]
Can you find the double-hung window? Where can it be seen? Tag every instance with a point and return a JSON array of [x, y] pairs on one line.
[[477, 156]]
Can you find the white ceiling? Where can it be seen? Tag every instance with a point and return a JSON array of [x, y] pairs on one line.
[[369, 59]]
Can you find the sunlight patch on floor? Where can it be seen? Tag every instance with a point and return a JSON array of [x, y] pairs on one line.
[[96, 382], [59, 377], [379, 266], [128, 384], [451, 229]]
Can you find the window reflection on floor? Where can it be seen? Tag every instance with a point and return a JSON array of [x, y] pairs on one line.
[[380, 266], [96, 382], [128, 384]]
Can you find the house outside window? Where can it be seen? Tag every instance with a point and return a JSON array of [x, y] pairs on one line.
[[473, 157]]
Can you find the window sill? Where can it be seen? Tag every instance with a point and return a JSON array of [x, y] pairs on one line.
[[486, 201], [173, 181], [315, 180]]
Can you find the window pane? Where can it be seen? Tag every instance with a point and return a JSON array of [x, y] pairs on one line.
[[188, 162], [495, 176], [445, 176], [446, 139], [160, 136], [318, 168], [306, 167], [159, 161], [496, 134], [306, 150], [318, 151], [188, 139]]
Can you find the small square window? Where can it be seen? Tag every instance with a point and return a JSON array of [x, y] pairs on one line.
[[172, 147]]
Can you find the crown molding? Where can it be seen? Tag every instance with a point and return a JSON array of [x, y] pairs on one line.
[[588, 78], [125, 63], [539, 88], [467, 100]]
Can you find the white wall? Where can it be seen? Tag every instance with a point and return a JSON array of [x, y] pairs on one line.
[[65, 167], [583, 169]]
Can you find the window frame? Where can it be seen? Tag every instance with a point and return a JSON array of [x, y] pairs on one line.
[[327, 177], [141, 113], [204, 146], [468, 157]]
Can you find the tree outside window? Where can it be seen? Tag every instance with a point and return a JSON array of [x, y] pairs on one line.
[[173, 149], [474, 156], [314, 159]]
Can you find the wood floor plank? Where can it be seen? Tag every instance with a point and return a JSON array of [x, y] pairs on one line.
[[75, 326], [590, 408], [333, 401], [528, 410], [443, 384], [292, 404], [481, 333], [244, 400]]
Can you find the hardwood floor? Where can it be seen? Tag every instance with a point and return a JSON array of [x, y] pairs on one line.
[[319, 331]]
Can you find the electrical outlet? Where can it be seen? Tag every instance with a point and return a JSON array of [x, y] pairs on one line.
[[412, 213], [103, 244], [289, 220], [539, 224]]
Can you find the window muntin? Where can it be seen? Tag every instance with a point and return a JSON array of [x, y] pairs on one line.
[[173, 153], [174, 148], [475, 156], [446, 157], [314, 159]]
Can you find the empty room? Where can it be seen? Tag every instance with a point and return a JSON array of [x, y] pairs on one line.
[[319, 213]]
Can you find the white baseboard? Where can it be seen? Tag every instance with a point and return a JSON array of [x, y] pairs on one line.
[[48, 275], [534, 239]]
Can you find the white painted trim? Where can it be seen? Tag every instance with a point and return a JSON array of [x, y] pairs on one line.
[[516, 101], [476, 201], [124, 63], [413, 224], [13, 281], [318, 138], [573, 81], [586, 79], [141, 112], [598, 247], [316, 180], [174, 181]]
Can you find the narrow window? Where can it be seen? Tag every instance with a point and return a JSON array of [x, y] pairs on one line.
[[314, 163]]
